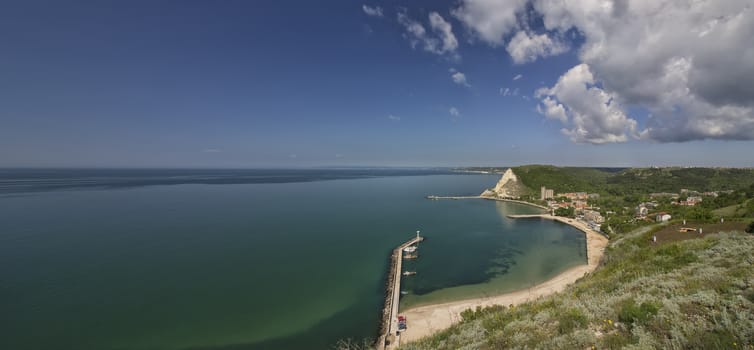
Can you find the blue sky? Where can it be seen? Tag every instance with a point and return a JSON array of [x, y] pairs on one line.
[[302, 83]]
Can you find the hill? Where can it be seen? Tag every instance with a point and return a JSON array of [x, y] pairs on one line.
[[689, 294], [632, 181], [563, 179]]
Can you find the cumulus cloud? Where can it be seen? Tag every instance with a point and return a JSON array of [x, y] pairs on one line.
[[688, 63], [553, 110], [440, 41], [459, 78], [590, 114], [526, 47], [518, 76], [372, 11], [444, 30], [489, 20]]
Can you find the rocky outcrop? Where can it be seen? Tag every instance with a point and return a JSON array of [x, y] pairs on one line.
[[509, 186]]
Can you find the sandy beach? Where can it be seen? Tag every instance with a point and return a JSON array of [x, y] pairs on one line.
[[425, 320]]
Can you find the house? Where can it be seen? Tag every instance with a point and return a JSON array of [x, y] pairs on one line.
[[663, 217], [692, 201], [642, 211]]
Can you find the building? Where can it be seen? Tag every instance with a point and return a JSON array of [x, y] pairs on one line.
[[582, 196], [692, 201], [664, 194], [593, 216], [642, 211], [579, 204], [546, 193], [663, 217]]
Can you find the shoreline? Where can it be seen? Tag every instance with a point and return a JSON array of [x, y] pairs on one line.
[[490, 198], [514, 201], [428, 319]]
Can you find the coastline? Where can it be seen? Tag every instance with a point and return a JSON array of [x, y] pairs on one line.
[[513, 201], [428, 319], [491, 198]]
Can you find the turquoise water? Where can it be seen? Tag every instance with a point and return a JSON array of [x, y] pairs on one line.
[[294, 265]]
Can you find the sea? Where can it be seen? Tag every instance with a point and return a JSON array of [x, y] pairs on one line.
[[249, 259]]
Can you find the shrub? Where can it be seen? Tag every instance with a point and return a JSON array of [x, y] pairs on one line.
[[631, 313], [750, 228], [570, 320]]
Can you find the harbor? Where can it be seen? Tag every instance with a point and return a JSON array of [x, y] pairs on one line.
[[390, 325]]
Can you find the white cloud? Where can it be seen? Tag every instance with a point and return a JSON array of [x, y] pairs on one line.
[[518, 76], [444, 30], [553, 110], [211, 150], [441, 41], [526, 47], [490, 20], [460, 79], [688, 62], [591, 114], [454, 112], [509, 92], [372, 11], [393, 117]]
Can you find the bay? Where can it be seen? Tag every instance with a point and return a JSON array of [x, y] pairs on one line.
[[173, 262]]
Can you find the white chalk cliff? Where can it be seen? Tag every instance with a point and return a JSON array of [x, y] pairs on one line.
[[509, 186]]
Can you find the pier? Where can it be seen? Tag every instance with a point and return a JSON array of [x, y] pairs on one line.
[[388, 338], [453, 197]]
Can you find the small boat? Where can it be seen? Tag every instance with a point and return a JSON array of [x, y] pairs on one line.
[[410, 256], [409, 273], [403, 292], [410, 249]]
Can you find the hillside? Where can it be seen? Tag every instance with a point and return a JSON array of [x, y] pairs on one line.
[[646, 180], [562, 179], [695, 294], [633, 181]]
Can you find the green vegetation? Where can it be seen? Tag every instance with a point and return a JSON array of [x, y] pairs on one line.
[[635, 181], [692, 294], [562, 179], [621, 190], [567, 212], [750, 228]]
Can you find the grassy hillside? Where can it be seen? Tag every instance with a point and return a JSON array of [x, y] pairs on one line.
[[694, 294], [646, 180]]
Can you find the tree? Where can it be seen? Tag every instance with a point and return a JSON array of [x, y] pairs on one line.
[[750, 228], [568, 212]]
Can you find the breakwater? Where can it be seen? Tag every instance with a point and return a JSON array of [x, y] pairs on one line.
[[388, 337]]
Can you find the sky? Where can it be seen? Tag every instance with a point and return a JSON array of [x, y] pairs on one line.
[[255, 84]]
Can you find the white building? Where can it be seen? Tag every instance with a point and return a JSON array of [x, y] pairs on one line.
[[663, 217]]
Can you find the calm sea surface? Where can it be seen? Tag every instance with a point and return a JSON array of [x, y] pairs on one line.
[[255, 259]]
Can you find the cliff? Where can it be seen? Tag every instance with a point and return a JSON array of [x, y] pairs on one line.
[[509, 186]]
